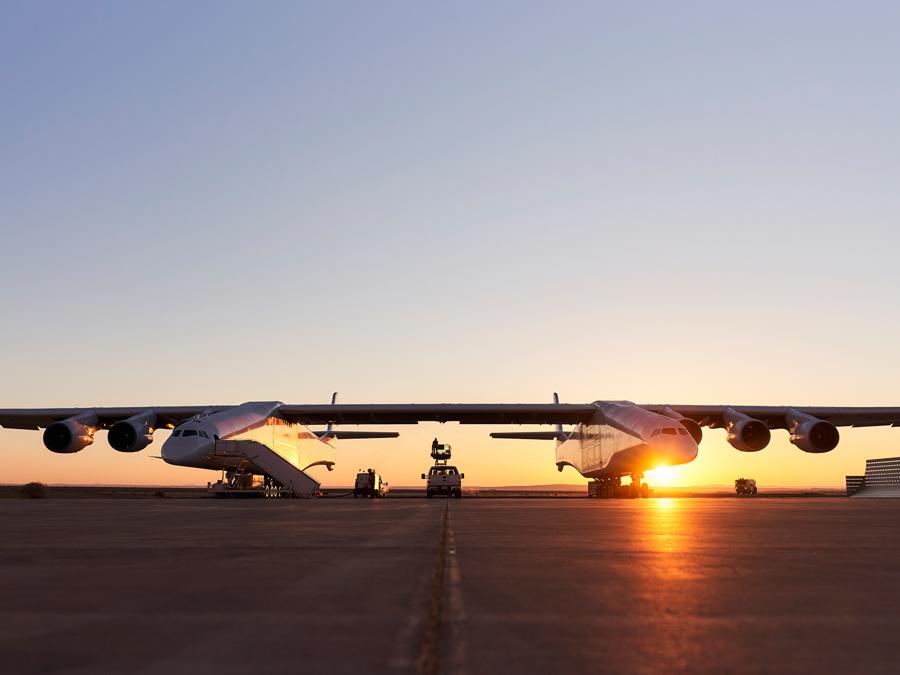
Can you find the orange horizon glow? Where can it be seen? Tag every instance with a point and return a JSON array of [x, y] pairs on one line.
[[486, 462]]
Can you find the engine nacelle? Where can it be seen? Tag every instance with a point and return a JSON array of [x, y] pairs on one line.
[[811, 434], [71, 435], [694, 429], [744, 432], [133, 434]]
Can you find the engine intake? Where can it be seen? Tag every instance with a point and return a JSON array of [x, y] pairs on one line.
[[71, 435], [133, 434], [744, 432], [811, 434]]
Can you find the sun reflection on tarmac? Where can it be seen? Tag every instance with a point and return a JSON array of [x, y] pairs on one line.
[[665, 574]]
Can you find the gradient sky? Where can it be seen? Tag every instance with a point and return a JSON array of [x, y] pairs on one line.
[[213, 202]]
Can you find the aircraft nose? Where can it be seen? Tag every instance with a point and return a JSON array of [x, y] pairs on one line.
[[687, 449], [185, 451], [675, 449]]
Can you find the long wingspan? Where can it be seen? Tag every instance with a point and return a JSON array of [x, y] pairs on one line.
[[376, 413], [466, 413]]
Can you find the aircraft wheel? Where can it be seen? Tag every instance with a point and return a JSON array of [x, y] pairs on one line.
[[645, 490]]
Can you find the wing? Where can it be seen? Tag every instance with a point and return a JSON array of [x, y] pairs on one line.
[[775, 416], [466, 413], [37, 418]]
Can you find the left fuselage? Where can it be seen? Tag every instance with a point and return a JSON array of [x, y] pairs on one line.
[[202, 442], [622, 439]]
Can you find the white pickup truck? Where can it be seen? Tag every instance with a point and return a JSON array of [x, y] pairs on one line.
[[443, 480]]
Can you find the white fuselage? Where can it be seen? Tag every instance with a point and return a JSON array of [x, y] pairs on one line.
[[203, 442], [623, 439]]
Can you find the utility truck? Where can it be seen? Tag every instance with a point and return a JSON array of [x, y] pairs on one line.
[[745, 486], [369, 484], [442, 479]]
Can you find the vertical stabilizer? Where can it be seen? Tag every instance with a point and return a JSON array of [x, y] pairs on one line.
[[329, 430], [560, 434]]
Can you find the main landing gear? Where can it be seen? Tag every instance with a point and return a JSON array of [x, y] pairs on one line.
[[611, 486]]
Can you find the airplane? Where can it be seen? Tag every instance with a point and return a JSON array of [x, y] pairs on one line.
[[273, 441]]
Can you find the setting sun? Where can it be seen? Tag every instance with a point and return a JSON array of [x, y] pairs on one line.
[[662, 476]]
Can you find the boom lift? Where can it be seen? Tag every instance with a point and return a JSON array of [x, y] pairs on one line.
[[442, 478]]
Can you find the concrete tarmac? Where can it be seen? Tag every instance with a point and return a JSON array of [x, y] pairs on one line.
[[465, 586]]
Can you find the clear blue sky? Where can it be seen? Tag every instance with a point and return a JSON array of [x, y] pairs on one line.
[[216, 202]]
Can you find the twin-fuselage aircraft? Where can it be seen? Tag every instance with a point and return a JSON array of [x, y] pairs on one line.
[[273, 440]]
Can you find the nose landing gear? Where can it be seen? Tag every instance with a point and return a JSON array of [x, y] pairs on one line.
[[638, 487]]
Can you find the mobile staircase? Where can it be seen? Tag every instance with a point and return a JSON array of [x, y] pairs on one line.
[[280, 478]]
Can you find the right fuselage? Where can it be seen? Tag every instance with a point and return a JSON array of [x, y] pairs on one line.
[[624, 439]]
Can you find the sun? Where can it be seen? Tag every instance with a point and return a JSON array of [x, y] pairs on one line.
[[661, 475]]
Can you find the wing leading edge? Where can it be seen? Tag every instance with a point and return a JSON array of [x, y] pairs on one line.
[[465, 413]]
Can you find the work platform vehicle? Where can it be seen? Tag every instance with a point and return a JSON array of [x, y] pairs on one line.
[[442, 478]]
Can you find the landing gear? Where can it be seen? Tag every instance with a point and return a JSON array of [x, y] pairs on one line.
[[611, 486], [639, 488], [605, 488]]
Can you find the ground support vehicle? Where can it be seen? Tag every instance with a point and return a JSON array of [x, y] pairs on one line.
[[442, 479], [745, 486], [369, 484]]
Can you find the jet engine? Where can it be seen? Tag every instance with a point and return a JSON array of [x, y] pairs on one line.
[[133, 434], [692, 427], [744, 432], [811, 434], [71, 435]]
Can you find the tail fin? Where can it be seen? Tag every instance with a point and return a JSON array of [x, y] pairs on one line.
[[346, 435], [329, 430], [560, 434]]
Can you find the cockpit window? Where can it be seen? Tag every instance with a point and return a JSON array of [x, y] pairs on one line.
[[203, 433], [176, 433], [189, 432], [683, 432], [655, 432], [670, 431]]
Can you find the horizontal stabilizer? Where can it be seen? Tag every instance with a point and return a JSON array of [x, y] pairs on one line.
[[355, 435], [528, 435]]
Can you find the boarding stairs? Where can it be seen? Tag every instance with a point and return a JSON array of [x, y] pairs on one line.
[[266, 461]]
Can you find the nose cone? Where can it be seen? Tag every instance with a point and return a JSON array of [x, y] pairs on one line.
[[186, 451], [687, 449], [672, 450]]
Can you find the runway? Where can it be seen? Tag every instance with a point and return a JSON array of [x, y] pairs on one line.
[[465, 586]]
